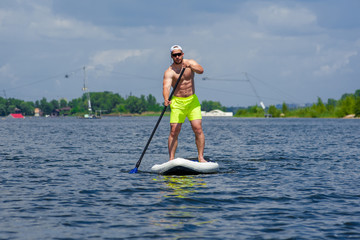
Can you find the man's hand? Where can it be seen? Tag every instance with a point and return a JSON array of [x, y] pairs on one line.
[[186, 64], [167, 102], [193, 65]]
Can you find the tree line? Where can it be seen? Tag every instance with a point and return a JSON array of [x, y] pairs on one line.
[[346, 105], [106, 102], [112, 103]]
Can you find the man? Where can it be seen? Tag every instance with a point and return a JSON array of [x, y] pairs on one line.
[[184, 102]]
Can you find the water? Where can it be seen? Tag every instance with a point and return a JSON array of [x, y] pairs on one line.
[[67, 178]]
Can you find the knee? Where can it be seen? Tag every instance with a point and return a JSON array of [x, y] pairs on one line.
[[198, 131], [174, 131], [197, 127]]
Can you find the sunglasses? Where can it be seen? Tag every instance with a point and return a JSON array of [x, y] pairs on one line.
[[176, 54]]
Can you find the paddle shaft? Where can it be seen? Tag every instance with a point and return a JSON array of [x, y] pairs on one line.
[[158, 121]]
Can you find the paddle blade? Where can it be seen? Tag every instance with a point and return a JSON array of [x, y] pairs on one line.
[[135, 170]]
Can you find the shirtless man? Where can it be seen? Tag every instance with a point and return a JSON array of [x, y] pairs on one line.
[[184, 102]]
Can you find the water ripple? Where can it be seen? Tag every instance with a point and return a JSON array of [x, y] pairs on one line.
[[279, 179]]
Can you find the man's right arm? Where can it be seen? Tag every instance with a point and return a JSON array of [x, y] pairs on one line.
[[166, 87]]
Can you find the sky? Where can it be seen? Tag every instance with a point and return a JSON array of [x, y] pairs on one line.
[[292, 51]]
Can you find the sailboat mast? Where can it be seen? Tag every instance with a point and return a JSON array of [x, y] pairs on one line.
[[85, 89]]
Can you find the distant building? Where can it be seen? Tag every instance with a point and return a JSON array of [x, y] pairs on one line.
[[16, 115], [65, 111], [61, 112], [216, 113], [37, 112]]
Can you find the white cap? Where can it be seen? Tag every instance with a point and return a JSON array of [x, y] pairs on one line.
[[175, 47]]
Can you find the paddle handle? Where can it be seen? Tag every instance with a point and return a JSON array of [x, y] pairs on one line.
[[158, 121]]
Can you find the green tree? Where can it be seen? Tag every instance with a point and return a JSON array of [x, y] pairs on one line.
[[253, 109], [11, 108], [37, 104], [76, 106], [106, 101], [143, 102], [63, 103], [357, 107], [345, 95], [211, 105], [3, 107], [320, 106], [284, 108], [45, 107], [134, 105], [346, 106], [241, 112], [3, 111], [313, 111], [121, 108], [274, 111], [54, 104], [152, 105], [256, 111], [331, 104], [116, 99], [27, 108], [357, 93], [13, 104]]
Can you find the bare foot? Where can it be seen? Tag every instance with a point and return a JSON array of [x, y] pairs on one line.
[[202, 160]]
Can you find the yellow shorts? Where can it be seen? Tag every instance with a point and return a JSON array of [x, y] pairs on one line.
[[185, 107]]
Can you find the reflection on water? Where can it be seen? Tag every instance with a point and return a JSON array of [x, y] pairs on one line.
[[182, 186], [184, 210]]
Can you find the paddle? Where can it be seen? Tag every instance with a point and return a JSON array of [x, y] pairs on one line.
[[157, 124]]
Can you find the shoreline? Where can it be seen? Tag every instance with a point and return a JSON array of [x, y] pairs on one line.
[[157, 114]]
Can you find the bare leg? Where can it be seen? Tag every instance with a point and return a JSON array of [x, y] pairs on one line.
[[173, 139], [199, 138]]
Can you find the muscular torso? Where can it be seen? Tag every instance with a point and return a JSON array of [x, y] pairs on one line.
[[186, 85]]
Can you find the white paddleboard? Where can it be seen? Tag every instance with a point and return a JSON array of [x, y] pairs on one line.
[[182, 166]]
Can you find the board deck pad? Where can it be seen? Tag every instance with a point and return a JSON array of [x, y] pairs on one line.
[[182, 166]]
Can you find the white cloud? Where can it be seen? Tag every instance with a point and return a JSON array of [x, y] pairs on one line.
[[109, 58], [338, 63], [7, 74], [61, 28], [277, 41], [35, 21], [297, 18]]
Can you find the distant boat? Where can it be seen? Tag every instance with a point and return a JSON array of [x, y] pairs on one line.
[[90, 115]]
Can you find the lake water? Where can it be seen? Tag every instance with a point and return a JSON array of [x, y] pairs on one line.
[[68, 178]]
